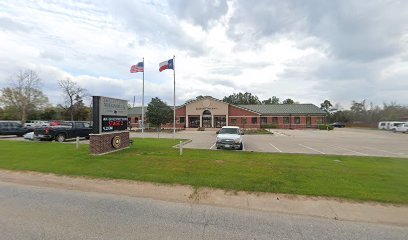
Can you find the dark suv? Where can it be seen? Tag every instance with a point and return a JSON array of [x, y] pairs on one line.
[[13, 128]]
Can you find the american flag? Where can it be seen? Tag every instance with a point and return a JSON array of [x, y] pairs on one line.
[[137, 68]]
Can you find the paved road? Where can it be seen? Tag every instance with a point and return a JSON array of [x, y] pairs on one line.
[[28, 212]]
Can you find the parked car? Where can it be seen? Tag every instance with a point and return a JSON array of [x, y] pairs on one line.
[[389, 125], [64, 131], [29, 136], [55, 123], [229, 137], [394, 125], [382, 125], [338, 125], [13, 128], [36, 123], [402, 128]]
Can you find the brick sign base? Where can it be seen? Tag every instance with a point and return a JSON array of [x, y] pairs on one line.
[[108, 142]]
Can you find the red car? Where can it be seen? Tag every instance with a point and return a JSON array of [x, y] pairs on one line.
[[55, 123]]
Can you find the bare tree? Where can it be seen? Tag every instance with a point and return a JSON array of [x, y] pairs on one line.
[[24, 94], [72, 94]]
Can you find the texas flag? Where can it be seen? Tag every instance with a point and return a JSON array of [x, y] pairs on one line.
[[166, 65]]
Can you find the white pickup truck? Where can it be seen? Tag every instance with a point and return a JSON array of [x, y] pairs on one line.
[[229, 137]]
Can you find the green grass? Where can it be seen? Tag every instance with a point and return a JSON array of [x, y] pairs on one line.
[[153, 160]]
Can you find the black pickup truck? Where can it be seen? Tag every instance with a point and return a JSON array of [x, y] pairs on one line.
[[64, 131]]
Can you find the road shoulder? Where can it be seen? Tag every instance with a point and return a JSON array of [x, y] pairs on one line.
[[280, 203]]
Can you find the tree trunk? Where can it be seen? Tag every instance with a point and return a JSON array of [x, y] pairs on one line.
[[72, 114], [23, 115]]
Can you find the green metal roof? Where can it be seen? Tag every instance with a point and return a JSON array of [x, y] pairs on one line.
[[136, 110], [284, 109]]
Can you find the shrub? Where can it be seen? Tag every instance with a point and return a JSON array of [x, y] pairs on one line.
[[325, 127], [269, 126]]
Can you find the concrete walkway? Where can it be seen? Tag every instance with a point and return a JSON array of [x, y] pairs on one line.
[[280, 203]]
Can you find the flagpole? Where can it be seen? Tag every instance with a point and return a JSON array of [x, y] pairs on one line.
[[143, 100], [174, 97]]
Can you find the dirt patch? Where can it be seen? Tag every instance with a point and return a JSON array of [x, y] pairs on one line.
[[282, 203]]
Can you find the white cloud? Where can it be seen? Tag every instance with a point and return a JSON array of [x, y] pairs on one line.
[[310, 52]]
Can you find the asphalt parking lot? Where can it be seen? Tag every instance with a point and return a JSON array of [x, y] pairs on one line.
[[344, 141]]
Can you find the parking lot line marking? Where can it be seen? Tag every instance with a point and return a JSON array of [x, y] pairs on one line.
[[312, 149], [275, 147], [212, 146], [279, 133], [350, 150], [398, 154]]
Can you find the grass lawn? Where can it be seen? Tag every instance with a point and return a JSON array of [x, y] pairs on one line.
[[153, 160]]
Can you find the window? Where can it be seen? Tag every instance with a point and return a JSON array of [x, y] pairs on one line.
[[244, 120], [233, 121], [229, 131], [264, 120], [254, 120], [286, 120], [182, 119], [129, 120], [297, 120], [319, 120], [275, 120]]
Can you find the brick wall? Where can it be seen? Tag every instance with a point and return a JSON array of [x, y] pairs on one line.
[[102, 143], [301, 125], [181, 112]]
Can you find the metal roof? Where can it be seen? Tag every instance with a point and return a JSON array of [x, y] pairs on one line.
[[284, 109], [136, 110]]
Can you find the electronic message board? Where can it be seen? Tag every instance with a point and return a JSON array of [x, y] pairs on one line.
[[112, 123]]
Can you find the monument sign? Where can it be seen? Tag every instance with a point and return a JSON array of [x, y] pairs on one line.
[[110, 122]]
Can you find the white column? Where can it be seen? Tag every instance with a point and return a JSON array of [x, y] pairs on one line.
[[212, 121], [226, 123], [201, 120], [186, 121]]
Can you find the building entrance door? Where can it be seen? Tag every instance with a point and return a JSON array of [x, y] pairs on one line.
[[308, 122], [207, 119]]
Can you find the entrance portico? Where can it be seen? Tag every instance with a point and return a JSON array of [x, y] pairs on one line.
[[207, 113]]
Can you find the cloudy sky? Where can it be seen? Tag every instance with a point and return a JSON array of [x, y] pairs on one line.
[[305, 50]]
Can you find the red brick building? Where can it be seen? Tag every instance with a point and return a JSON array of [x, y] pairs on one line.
[[209, 112]]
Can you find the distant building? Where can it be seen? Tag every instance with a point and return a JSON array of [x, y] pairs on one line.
[[209, 112]]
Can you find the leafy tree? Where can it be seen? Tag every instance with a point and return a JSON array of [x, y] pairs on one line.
[[272, 100], [72, 94], [288, 101], [24, 95], [158, 112], [9, 113], [358, 107], [242, 98], [82, 112], [342, 116], [49, 113], [326, 106]]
